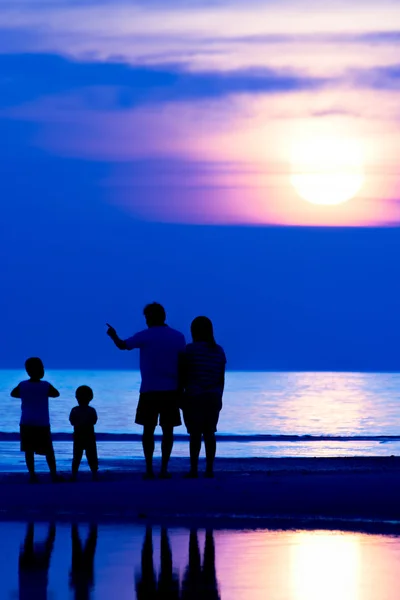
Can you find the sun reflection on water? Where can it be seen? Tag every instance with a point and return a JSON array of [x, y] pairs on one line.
[[325, 565]]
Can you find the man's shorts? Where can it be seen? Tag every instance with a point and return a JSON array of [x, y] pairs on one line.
[[36, 438], [158, 407]]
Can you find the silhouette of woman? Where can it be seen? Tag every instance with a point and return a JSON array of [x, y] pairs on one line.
[[203, 379], [200, 582]]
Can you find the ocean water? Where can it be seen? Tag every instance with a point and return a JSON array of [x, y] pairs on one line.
[[130, 561], [264, 414]]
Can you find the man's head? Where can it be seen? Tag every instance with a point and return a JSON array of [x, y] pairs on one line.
[[154, 314], [34, 367], [84, 394]]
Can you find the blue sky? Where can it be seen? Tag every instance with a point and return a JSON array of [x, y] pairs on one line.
[[147, 156]]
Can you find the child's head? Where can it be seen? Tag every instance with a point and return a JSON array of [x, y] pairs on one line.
[[34, 367], [84, 394]]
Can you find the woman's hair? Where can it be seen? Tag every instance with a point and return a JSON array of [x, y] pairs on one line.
[[202, 330]]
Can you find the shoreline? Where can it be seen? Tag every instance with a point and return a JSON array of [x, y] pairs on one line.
[[283, 491], [63, 436]]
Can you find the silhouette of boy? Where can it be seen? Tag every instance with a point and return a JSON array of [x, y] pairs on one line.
[[82, 567], [34, 564], [83, 419], [35, 419]]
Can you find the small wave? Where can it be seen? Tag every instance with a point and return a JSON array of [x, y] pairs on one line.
[[246, 438]]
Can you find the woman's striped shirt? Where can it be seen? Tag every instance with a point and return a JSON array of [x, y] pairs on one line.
[[204, 368]]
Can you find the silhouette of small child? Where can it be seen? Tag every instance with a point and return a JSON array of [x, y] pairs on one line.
[[83, 419], [35, 419]]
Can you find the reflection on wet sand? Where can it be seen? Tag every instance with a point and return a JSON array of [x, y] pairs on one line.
[[153, 563], [166, 585], [34, 564], [82, 564], [200, 581]]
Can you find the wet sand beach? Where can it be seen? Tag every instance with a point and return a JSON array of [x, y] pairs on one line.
[[246, 490]]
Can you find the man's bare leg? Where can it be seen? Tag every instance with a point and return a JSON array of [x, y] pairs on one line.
[[148, 449]]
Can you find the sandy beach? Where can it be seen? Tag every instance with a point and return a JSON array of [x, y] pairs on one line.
[[255, 491]]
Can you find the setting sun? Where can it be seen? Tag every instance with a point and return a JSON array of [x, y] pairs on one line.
[[327, 169]]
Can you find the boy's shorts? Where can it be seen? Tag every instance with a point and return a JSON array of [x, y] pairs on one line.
[[36, 438], [158, 407], [86, 443], [84, 440]]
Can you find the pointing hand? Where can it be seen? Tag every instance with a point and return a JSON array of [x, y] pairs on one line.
[[111, 331]]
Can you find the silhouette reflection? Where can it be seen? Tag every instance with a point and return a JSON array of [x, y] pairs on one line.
[[34, 563], [148, 586], [82, 564], [168, 580], [159, 581], [146, 582], [200, 582]]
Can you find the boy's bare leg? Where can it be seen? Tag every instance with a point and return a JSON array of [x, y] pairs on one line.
[[91, 455], [30, 463], [51, 462], [76, 459]]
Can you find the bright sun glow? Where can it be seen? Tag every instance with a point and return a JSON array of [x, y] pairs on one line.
[[326, 169], [325, 565]]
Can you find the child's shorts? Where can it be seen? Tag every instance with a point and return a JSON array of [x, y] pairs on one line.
[[35, 438]]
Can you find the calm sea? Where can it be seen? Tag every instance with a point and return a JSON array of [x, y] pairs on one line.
[[264, 414]]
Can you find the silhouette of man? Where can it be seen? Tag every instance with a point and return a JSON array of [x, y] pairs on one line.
[[34, 564], [200, 582], [160, 348], [148, 587], [168, 580], [82, 564], [146, 581]]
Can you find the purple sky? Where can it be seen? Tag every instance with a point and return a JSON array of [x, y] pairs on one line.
[[143, 141], [209, 98]]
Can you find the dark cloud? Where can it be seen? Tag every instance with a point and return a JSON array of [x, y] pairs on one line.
[[26, 77], [371, 37], [380, 37], [379, 78]]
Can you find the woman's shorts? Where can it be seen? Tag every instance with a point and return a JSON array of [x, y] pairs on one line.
[[36, 438], [201, 413]]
